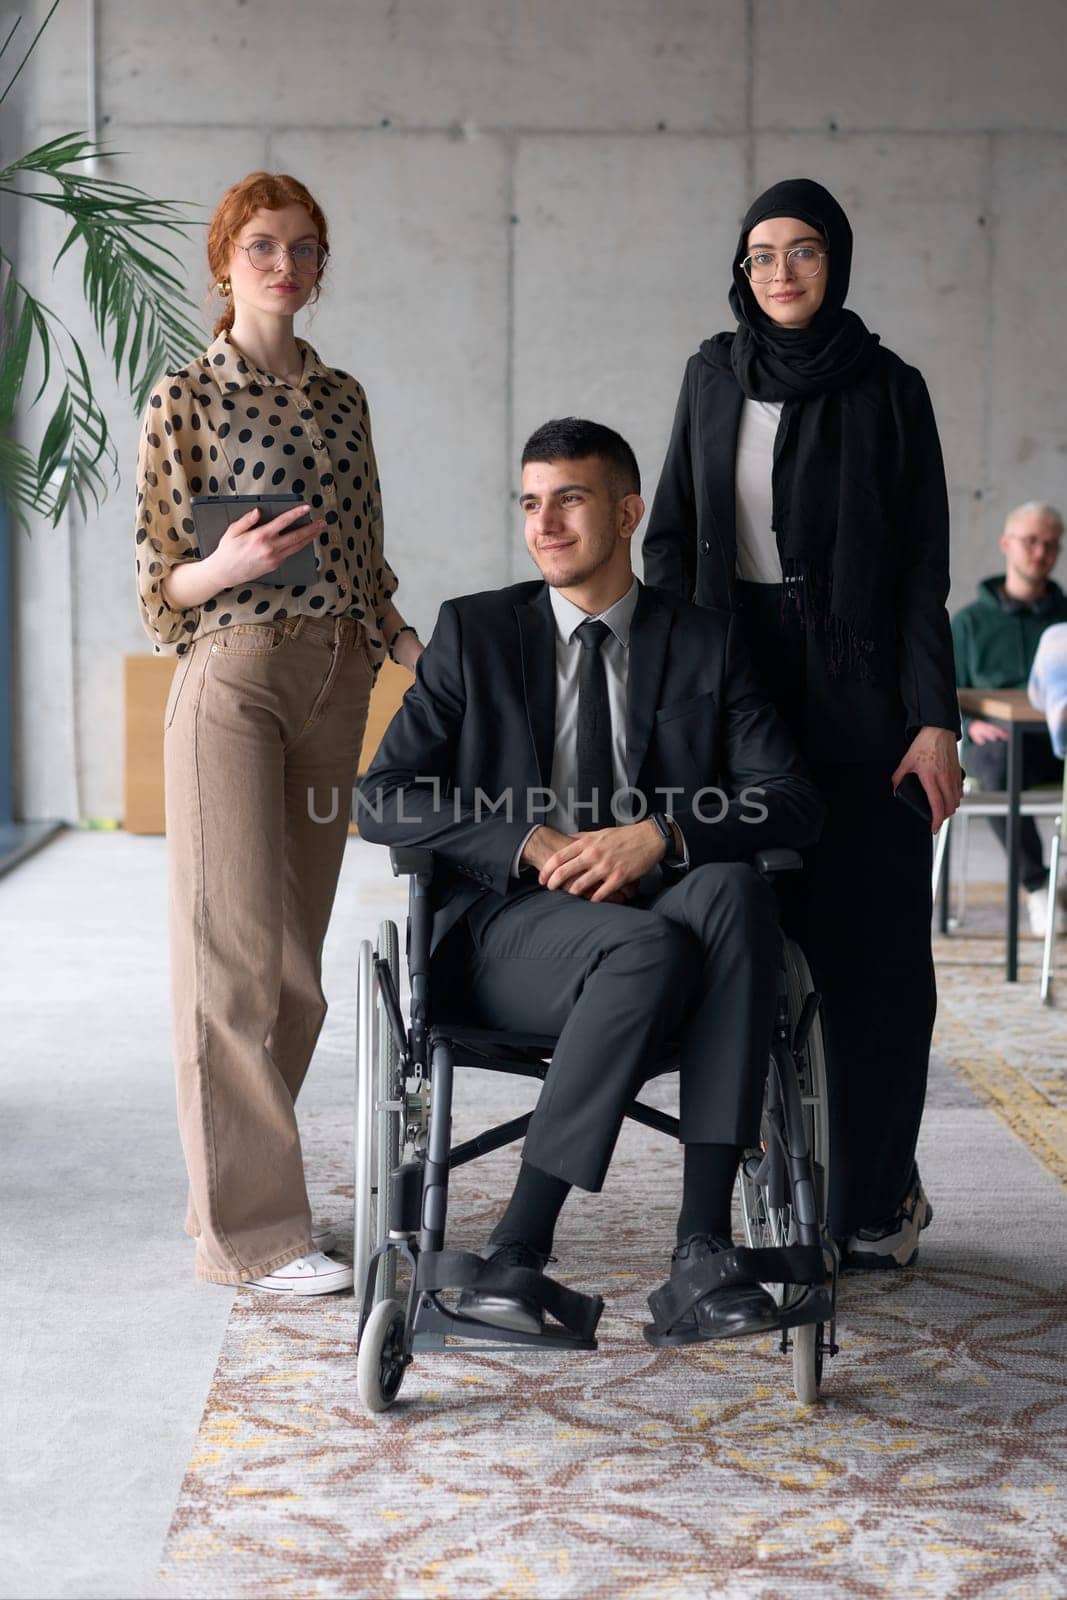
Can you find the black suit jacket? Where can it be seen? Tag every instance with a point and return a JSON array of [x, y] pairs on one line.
[[481, 717], [690, 547]]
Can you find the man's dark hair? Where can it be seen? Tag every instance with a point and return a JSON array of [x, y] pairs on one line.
[[575, 439]]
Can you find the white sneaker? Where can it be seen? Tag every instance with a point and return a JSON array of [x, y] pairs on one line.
[[313, 1274], [324, 1239], [1037, 909]]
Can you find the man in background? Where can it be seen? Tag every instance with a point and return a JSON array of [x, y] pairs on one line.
[[995, 640]]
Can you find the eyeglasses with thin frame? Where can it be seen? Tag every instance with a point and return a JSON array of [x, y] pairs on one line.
[[266, 255], [1034, 541], [803, 261]]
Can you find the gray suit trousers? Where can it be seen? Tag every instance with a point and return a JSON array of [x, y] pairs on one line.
[[690, 972]]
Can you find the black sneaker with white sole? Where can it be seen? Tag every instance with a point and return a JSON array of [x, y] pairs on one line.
[[894, 1243]]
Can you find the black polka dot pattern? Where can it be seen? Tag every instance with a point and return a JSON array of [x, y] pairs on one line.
[[215, 396]]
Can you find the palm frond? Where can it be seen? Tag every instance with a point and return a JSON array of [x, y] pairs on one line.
[[76, 455], [16, 330], [136, 299], [18, 481], [133, 287]]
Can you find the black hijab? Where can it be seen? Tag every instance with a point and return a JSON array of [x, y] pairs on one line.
[[829, 512]]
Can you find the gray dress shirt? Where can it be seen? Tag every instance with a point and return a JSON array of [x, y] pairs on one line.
[[615, 652]]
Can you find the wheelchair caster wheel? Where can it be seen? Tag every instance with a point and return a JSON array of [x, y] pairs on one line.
[[807, 1362], [381, 1361]]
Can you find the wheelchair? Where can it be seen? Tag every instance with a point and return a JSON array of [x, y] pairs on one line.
[[403, 1159]]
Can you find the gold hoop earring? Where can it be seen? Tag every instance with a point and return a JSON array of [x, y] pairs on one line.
[[223, 286]]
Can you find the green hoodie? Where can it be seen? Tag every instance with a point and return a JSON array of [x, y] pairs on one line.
[[995, 640]]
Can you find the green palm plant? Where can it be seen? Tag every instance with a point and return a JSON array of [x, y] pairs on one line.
[[138, 306]]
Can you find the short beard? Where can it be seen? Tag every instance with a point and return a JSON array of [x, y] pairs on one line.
[[581, 576]]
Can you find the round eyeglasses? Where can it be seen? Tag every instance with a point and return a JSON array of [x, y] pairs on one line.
[[803, 262], [1034, 541], [266, 255]]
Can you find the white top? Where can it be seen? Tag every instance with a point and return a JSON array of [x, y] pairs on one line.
[[758, 560]]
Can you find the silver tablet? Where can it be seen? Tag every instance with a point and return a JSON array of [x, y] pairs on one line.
[[213, 513]]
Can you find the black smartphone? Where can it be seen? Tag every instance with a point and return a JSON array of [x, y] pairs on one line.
[[911, 791]]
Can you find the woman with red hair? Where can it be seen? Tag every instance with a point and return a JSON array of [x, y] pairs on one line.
[[264, 722]]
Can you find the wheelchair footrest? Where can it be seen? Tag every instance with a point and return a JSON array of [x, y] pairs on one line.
[[803, 1264], [577, 1314], [434, 1323], [816, 1304]]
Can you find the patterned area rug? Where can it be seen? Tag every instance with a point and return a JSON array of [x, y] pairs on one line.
[[999, 1036], [934, 1465]]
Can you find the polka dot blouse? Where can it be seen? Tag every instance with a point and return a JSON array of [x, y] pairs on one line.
[[221, 426]]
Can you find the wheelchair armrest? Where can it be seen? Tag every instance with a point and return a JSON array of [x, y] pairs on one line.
[[780, 860], [410, 861]]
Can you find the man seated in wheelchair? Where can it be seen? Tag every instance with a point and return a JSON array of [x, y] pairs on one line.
[[593, 763]]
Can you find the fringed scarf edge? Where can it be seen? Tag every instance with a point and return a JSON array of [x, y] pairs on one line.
[[807, 595]]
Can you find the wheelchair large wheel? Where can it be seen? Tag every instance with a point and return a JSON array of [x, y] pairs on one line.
[[811, 1070], [807, 1339], [388, 1121], [765, 1223], [378, 1118], [768, 1219], [382, 1360]]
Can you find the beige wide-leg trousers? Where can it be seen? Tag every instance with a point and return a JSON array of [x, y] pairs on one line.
[[262, 737]]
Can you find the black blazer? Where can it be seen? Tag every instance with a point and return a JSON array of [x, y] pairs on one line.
[[481, 716], [690, 547]]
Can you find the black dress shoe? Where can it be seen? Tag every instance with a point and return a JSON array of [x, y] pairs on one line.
[[726, 1312], [515, 1312]]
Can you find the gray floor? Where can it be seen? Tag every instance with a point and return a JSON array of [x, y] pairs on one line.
[[109, 1345]]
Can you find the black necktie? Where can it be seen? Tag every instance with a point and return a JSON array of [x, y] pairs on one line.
[[596, 780]]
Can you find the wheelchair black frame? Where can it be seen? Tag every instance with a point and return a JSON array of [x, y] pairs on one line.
[[431, 1052]]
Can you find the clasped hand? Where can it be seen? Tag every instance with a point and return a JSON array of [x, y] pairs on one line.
[[605, 864]]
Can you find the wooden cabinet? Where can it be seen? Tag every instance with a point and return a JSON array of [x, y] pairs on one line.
[[147, 687]]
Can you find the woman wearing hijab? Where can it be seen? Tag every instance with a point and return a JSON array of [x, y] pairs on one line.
[[804, 489]]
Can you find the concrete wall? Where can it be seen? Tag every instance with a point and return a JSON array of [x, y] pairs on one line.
[[533, 204]]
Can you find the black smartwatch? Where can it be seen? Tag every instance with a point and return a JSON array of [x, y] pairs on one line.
[[666, 833]]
